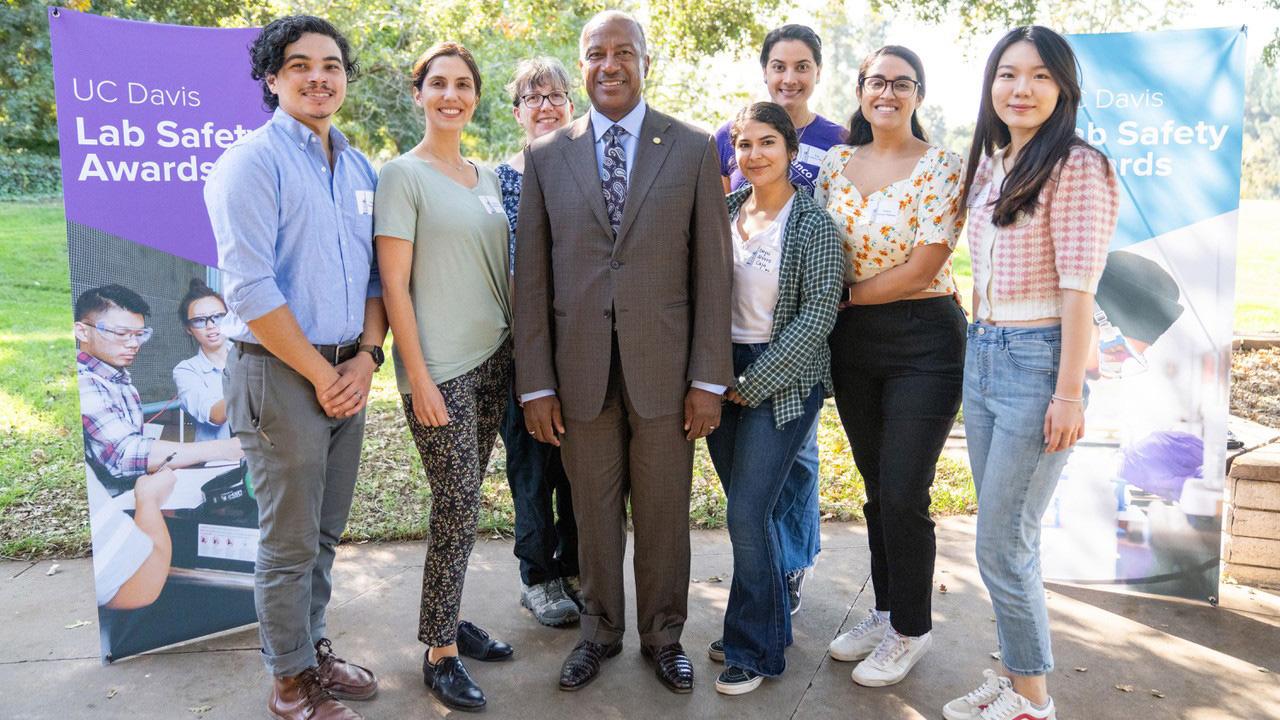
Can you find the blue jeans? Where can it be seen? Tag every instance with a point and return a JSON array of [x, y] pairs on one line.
[[754, 459], [546, 540], [799, 534], [1009, 375]]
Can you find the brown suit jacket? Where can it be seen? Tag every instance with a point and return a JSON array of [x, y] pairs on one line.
[[665, 281]]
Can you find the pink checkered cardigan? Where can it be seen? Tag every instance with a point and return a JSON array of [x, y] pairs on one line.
[[1061, 246]]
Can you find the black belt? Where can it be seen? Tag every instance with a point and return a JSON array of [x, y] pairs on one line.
[[334, 354]]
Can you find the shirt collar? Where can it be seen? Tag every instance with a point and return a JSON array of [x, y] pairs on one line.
[[303, 135], [114, 374], [630, 122]]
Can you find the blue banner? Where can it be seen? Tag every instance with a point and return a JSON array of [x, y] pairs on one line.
[[1140, 505]]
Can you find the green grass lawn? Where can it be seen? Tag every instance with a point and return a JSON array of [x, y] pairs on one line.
[[42, 506]]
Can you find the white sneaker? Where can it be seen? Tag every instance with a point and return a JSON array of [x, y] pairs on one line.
[[970, 706], [859, 642], [892, 659], [1009, 705]]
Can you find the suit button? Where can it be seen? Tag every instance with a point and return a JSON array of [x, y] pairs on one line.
[[615, 264]]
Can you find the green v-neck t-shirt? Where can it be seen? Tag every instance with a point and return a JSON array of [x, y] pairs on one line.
[[461, 296]]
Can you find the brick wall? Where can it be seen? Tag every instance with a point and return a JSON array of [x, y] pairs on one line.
[[1253, 518]]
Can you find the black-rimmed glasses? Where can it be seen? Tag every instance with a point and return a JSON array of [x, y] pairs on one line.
[[902, 87], [533, 101]]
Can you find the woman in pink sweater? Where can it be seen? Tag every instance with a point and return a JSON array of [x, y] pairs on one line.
[[1042, 208]]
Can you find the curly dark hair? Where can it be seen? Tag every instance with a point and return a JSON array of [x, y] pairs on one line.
[[266, 54]]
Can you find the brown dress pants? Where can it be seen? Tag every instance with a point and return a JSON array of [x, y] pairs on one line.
[[608, 459]]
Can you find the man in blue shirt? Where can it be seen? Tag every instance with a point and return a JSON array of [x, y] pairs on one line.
[[292, 210]]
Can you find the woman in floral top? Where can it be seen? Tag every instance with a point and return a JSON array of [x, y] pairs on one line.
[[897, 350]]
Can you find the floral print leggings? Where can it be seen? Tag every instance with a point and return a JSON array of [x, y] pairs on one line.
[[455, 457]]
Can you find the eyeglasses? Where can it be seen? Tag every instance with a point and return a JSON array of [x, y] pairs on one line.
[[902, 87], [533, 101], [124, 335], [200, 322]]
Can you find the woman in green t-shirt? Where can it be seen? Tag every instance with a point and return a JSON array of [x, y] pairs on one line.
[[441, 238]]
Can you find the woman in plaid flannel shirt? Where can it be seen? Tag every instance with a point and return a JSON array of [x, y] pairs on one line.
[[1042, 207], [786, 283]]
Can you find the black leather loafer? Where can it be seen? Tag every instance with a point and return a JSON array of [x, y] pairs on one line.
[[583, 664], [672, 666], [449, 682], [477, 645]]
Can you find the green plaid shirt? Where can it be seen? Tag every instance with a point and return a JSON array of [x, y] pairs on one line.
[[811, 277]]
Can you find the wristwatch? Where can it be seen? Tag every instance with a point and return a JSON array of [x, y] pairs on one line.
[[376, 353]]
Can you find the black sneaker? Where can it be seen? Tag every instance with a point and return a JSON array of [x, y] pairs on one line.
[[795, 584], [715, 651], [737, 681]]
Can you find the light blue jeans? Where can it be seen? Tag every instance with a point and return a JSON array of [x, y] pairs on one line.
[[1009, 375]]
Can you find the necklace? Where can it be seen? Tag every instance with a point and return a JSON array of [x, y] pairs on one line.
[[461, 167]]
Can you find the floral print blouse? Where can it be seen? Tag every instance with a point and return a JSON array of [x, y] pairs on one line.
[[881, 229]]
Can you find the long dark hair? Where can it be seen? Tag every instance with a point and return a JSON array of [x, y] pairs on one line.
[[802, 33], [1020, 192], [859, 127], [771, 114]]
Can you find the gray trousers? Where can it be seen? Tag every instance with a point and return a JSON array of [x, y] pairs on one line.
[[303, 468]]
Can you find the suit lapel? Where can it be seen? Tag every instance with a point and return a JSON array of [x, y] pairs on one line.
[[649, 158], [580, 154]]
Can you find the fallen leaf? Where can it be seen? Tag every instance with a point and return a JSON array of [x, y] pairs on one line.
[[1262, 669], [995, 655], [1157, 694], [942, 588], [1082, 669], [77, 624], [111, 693], [714, 579], [1124, 688], [53, 569], [200, 709]]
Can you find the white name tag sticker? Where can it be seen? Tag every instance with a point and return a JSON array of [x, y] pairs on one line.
[[887, 213], [364, 202], [979, 198], [492, 205], [810, 155]]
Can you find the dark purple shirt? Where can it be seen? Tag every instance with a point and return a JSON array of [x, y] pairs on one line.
[[816, 139]]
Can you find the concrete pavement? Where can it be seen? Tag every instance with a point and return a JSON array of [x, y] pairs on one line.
[[1204, 661]]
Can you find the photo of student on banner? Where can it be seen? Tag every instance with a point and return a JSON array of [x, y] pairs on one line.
[[1144, 464], [173, 520]]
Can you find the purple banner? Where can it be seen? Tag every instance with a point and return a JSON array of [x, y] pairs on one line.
[[143, 112]]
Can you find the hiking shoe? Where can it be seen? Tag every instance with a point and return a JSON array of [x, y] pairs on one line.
[[971, 705], [892, 659], [549, 604], [861, 641], [737, 681], [1009, 705], [715, 651], [795, 584]]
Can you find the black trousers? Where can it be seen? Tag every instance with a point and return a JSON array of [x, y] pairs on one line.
[[898, 370]]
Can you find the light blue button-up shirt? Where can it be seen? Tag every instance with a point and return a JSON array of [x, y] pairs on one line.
[[630, 122], [291, 231]]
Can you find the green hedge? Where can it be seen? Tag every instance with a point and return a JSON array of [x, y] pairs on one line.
[[27, 175]]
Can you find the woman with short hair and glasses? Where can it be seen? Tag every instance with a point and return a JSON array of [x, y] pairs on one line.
[[897, 350], [199, 377], [546, 539]]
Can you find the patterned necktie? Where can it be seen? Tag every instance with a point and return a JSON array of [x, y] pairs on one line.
[[614, 184]]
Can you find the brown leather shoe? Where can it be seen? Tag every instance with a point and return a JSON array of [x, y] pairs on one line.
[[302, 697], [344, 680]]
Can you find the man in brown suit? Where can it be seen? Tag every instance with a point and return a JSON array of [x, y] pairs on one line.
[[622, 325]]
